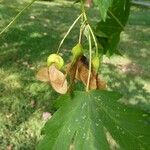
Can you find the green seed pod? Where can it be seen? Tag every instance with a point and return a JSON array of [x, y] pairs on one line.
[[56, 59], [96, 63], [77, 51]]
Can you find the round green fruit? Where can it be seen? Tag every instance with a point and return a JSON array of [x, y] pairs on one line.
[[77, 51], [96, 63], [56, 59]]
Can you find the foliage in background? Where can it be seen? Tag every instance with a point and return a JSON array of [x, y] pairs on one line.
[[108, 31]]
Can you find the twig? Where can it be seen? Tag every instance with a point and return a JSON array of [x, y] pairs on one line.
[[16, 17]]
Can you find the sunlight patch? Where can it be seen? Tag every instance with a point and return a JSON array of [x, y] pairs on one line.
[[10, 80], [35, 34]]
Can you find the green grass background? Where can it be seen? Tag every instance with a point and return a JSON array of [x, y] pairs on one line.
[[25, 47]]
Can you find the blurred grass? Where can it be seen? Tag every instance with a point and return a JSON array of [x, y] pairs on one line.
[[25, 47]]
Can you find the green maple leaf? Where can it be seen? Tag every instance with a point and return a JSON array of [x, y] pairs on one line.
[[95, 120]]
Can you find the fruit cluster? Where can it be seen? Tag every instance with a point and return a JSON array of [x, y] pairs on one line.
[[77, 69]]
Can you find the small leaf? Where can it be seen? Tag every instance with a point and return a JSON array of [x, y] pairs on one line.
[[95, 120], [103, 7]]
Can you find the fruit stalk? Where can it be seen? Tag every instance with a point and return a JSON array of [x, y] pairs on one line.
[[90, 63], [69, 30]]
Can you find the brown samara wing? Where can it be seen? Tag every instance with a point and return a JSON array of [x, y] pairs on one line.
[[55, 77], [82, 74], [42, 74], [58, 80]]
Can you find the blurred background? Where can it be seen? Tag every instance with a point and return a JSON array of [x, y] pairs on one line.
[[25, 103]]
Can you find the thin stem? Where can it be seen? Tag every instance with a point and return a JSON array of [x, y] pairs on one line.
[[85, 17], [17, 16], [83, 10], [69, 30], [82, 6], [94, 39], [80, 36], [90, 63], [82, 28], [92, 33], [82, 20]]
